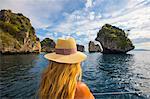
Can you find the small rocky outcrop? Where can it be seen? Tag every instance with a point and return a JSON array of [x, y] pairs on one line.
[[94, 48], [17, 34], [80, 48], [114, 40], [48, 45]]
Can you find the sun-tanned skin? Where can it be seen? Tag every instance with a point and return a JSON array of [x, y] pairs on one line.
[[83, 92]]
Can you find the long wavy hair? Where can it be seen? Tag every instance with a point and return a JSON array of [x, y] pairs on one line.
[[59, 81]]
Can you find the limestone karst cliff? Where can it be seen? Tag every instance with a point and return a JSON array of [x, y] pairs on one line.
[[114, 40], [17, 35]]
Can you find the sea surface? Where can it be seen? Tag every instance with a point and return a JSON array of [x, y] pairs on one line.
[[103, 73]]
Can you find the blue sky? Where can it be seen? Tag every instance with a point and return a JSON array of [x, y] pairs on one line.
[[82, 19]]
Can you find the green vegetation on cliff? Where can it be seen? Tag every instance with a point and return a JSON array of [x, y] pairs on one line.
[[16, 31], [114, 39], [48, 45], [8, 40], [15, 25]]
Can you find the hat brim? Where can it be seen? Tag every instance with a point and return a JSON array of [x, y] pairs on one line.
[[72, 58]]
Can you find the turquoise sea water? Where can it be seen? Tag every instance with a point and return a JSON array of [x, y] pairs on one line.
[[20, 74]]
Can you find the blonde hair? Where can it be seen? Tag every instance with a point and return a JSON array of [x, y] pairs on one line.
[[59, 81]]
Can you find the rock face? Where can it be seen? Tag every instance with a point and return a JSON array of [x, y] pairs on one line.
[[17, 34], [48, 45], [80, 48], [94, 48], [114, 40]]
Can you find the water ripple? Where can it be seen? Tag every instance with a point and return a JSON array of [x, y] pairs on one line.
[[20, 74]]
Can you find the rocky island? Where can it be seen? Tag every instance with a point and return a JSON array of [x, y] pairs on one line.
[[80, 48], [48, 45], [94, 47], [114, 40], [17, 35]]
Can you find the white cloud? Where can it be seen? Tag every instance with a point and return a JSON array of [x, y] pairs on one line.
[[92, 15], [126, 14], [89, 3], [134, 16], [38, 11], [65, 27]]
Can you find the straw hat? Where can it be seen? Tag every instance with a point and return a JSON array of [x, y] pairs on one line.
[[66, 52]]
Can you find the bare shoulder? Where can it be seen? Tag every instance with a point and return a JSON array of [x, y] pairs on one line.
[[81, 84], [83, 92]]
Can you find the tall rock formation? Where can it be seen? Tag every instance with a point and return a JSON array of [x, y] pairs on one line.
[[17, 34], [94, 47], [114, 40]]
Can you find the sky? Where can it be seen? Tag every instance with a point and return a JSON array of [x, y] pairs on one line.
[[82, 19]]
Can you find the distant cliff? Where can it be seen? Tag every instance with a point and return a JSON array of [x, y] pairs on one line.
[[94, 48], [48, 45], [114, 40], [17, 34]]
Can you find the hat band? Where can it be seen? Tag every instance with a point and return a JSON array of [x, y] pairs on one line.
[[66, 51]]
